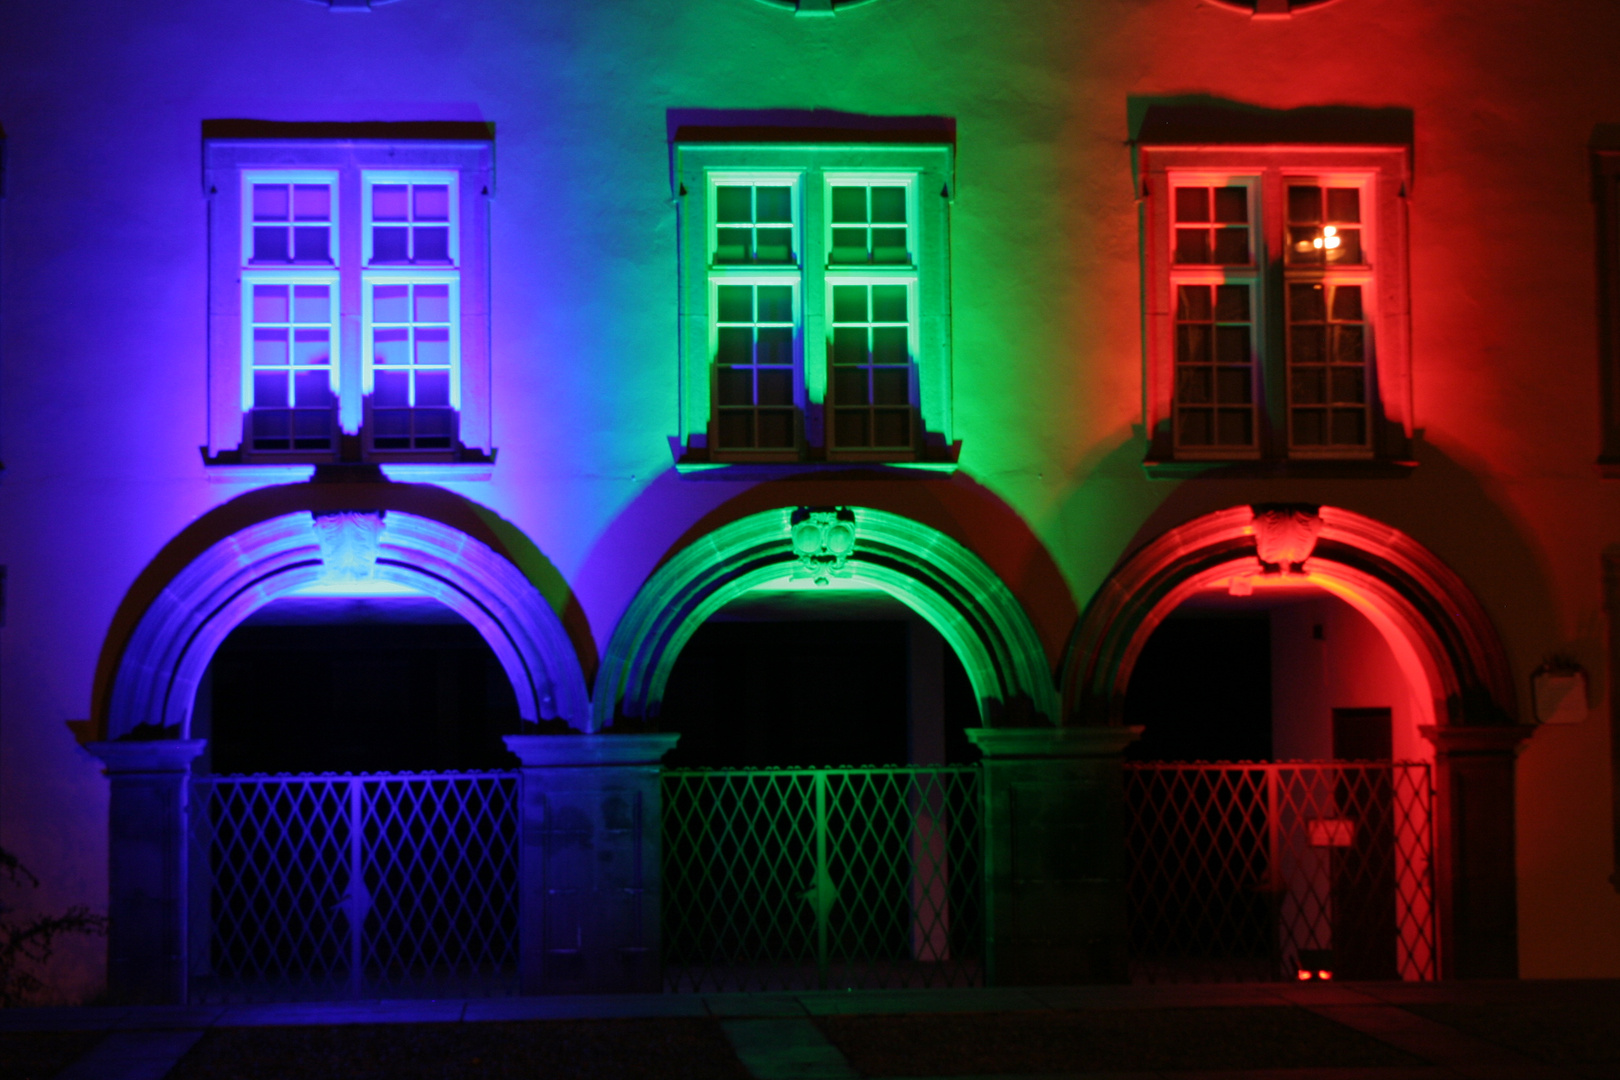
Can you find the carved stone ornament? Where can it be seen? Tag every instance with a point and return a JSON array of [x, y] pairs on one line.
[[1285, 536], [823, 540], [349, 540]]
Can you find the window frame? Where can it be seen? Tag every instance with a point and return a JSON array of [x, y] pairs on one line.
[[1382, 174], [814, 169], [353, 167]]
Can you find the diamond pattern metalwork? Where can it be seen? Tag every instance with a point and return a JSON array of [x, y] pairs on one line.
[[347, 886], [816, 878], [1235, 870]]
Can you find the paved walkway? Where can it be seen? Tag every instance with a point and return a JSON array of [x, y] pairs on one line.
[[776, 1040]]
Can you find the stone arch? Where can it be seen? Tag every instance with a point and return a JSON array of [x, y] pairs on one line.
[[176, 637], [929, 572], [1440, 634]]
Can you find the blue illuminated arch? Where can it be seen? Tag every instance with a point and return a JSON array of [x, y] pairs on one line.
[[929, 572], [177, 635]]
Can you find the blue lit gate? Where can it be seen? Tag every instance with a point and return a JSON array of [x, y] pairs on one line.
[[331, 886]]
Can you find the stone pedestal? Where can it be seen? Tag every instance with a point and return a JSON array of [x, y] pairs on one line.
[[146, 867], [590, 862], [1475, 871], [1054, 854]]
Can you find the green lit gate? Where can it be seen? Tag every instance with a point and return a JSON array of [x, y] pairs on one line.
[[778, 879]]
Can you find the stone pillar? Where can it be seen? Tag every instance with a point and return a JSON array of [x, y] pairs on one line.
[[1476, 879], [590, 862], [1054, 854], [146, 867]]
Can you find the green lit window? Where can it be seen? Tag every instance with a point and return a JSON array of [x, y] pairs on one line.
[[755, 366], [815, 303], [871, 394]]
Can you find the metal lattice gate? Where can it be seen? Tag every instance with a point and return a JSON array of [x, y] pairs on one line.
[[1253, 871], [350, 886], [805, 878]]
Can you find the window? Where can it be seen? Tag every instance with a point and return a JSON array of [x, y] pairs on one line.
[[1277, 307], [349, 289], [814, 303]]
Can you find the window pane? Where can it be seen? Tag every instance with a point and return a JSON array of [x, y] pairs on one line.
[[1304, 205], [312, 389], [312, 303], [390, 303], [1194, 386], [1309, 386], [1347, 303], [1307, 344], [1310, 427], [1232, 345], [849, 303], [433, 427], [433, 347], [433, 388], [1195, 427], [849, 386], [269, 244], [269, 348], [1192, 344], [1349, 249], [392, 388], [269, 390], [1349, 427], [311, 347], [888, 303], [390, 244], [432, 244], [311, 427], [1344, 205], [774, 204], [849, 205], [388, 202], [734, 386], [735, 303], [1234, 427], [312, 202], [888, 205], [1232, 247], [849, 428], [736, 345], [775, 429], [1192, 204], [1232, 386], [731, 204], [891, 386], [775, 245], [270, 425], [270, 202], [1305, 303], [1231, 303], [1192, 246], [889, 246], [433, 303], [1348, 345], [848, 245], [889, 345], [389, 424], [269, 303], [731, 245], [1348, 388], [393, 347], [736, 430], [849, 345], [1232, 205], [775, 345], [891, 427], [432, 202], [776, 387], [1192, 301], [312, 244], [775, 303]]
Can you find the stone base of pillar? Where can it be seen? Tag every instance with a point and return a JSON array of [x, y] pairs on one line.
[[146, 868], [590, 854], [1054, 854], [1476, 873]]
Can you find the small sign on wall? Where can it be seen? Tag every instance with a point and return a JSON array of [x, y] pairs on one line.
[[1559, 690]]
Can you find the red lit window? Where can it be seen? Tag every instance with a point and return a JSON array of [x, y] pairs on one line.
[[1276, 292]]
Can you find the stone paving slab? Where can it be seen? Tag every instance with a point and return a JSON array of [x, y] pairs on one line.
[[1461, 1054], [786, 1049], [584, 1007], [741, 1005], [132, 1055], [342, 1012], [846, 1002]]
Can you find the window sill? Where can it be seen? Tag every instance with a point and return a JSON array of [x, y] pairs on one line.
[[697, 464], [462, 466], [1273, 469]]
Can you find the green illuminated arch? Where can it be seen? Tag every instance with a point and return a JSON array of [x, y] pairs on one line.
[[933, 575]]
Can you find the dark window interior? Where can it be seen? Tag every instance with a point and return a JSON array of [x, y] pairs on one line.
[[1202, 690], [802, 693], [359, 698]]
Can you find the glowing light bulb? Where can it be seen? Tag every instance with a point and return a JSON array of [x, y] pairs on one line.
[[1304, 976], [1329, 239]]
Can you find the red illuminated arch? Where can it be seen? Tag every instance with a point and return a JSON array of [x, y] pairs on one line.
[[1438, 631]]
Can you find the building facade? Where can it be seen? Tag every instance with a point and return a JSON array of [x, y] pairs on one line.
[[494, 358]]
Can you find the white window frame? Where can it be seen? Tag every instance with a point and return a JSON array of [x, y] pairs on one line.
[[370, 178], [1382, 174], [814, 169], [351, 167]]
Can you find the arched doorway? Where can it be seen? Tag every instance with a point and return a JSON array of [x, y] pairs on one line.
[[1439, 647], [319, 883], [810, 874], [920, 567]]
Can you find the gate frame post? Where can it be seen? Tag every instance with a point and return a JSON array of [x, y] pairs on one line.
[[1474, 828], [590, 862], [147, 852], [1054, 854]]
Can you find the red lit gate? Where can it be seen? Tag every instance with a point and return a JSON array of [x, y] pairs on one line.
[[1262, 871]]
